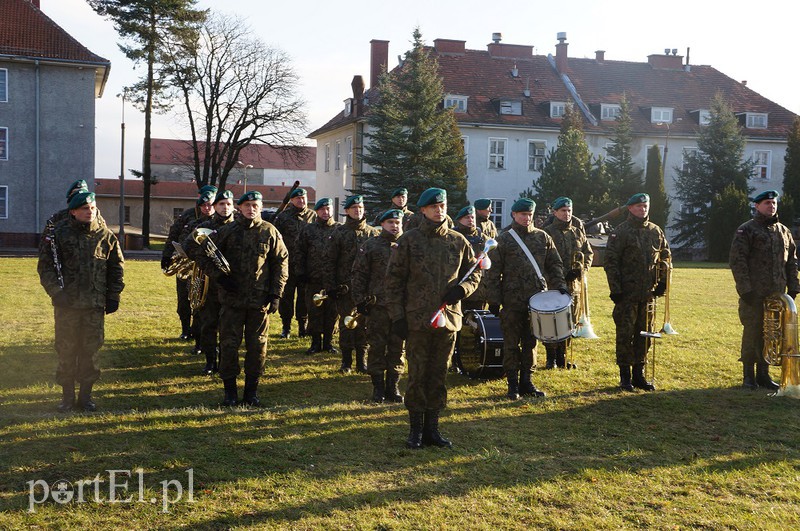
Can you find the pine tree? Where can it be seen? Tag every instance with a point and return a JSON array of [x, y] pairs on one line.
[[624, 178], [654, 186], [413, 141], [790, 200], [718, 163]]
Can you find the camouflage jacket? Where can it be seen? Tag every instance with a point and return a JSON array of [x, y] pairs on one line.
[[631, 257], [477, 239], [369, 268], [569, 239], [91, 263], [51, 223], [487, 226], [290, 223], [427, 262], [343, 245], [258, 260], [215, 222], [178, 230], [763, 258], [312, 260], [512, 280]]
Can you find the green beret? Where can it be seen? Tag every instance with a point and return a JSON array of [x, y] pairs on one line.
[[207, 188], [466, 211], [482, 204], [206, 197], [298, 192], [78, 186], [399, 191], [252, 195], [561, 202], [638, 198], [353, 200], [431, 196], [769, 194], [225, 194], [392, 213], [80, 199], [325, 201], [523, 204]]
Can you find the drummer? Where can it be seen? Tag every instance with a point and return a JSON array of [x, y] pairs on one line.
[[512, 280]]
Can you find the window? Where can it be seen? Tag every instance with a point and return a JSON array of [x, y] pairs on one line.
[[3, 143], [756, 120], [688, 154], [536, 155], [511, 107], [661, 114], [704, 117], [348, 106], [458, 103], [3, 202], [762, 162], [557, 109], [498, 208], [3, 85], [609, 112], [126, 217], [348, 149], [327, 157], [465, 145], [176, 213], [337, 153], [497, 153]]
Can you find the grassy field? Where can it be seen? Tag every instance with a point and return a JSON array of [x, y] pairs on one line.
[[699, 453]]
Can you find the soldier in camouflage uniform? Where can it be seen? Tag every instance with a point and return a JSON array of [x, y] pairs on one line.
[[259, 267], [466, 225], [570, 238], [84, 280], [75, 188], [207, 317], [630, 261], [399, 202], [177, 232], [423, 277], [511, 282], [385, 349], [312, 265], [290, 223], [763, 260], [483, 209], [342, 248]]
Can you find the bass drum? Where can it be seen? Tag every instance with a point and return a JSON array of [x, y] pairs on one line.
[[480, 345]]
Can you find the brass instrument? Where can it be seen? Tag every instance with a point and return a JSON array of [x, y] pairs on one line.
[[198, 281], [583, 326], [351, 321], [181, 265], [781, 342], [662, 260], [319, 298], [664, 269], [198, 288]]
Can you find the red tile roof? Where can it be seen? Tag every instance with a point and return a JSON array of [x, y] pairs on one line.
[[181, 190], [261, 156]]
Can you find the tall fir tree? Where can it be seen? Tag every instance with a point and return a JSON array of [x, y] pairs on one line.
[[718, 162], [654, 186], [413, 141], [790, 200], [729, 209], [624, 178]]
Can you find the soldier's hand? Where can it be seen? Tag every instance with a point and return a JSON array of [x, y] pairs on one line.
[[616, 297], [661, 288], [793, 294], [272, 306], [564, 291], [228, 283], [494, 309], [400, 328], [165, 262], [750, 298], [112, 305], [61, 299], [573, 274], [454, 294]]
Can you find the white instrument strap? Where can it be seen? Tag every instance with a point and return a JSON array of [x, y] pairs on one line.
[[531, 258]]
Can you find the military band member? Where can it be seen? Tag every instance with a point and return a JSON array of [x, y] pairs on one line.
[[75, 188], [511, 282], [570, 238], [385, 349], [84, 278], [312, 263], [259, 267], [630, 262], [399, 202], [290, 223], [423, 276], [207, 317], [763, 260], [466, 225], [342, 249], [483, 209], [177, 232]]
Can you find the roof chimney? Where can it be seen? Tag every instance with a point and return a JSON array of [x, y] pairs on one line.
[[666, 61], [497, 37], [600, 56], [358, 94], [378, 60], [561, 51]]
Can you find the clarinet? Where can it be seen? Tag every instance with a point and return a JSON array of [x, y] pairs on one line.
[[50, 228]]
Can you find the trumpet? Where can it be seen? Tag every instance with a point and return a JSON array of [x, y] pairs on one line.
[[319, 298], [781, 342], [583, 326]]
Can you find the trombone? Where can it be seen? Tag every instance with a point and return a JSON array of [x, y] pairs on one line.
[[583, 326], [663, 266]]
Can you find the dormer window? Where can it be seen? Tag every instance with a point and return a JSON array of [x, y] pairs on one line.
[[513, 107], [661, 115], [557, 109], [609, 111], [348, 106], [756, 120], [458, 103]]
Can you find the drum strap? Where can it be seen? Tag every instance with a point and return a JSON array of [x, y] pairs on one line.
[[531, 258]]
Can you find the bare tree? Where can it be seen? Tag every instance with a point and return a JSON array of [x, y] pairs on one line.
[[235, 91]]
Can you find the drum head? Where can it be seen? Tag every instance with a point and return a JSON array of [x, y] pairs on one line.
[[480, 345], [549, 301]]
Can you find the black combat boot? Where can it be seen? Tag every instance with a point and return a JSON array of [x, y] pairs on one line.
[[639, 380], [378, 389], [561, 356], [250, 389], [417, 420], [550, 363], [327, 345], [513, 385], [316, 344], [762, 378], [526, 387], [347, 361], [85, 401], [211, 362], [430, 430], [231, 393], [67, 398], [749, 380], [625, 378], [186, 329], [302, 326], [286, 332], [392, 388], [361, 360]]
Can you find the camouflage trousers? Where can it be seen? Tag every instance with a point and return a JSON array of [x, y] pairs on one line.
[[385, 350], [235, 323], [428, 354], [79, 335], [518, 342], [630, 318], [208, 320], [321, 319], [291, 306], [350, 339], [752, 318]]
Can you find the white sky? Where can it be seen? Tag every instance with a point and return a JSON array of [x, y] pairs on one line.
[[328, 43]]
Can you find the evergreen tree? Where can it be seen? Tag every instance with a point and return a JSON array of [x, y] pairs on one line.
[[729, 209], [718, 163], [654, 186], [790, 200], [624, 178], [413, 141]]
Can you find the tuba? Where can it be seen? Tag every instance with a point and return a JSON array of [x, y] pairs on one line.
[[583, 326], [781, 342]]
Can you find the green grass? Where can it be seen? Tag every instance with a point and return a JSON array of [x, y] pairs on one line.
[[698, 453]]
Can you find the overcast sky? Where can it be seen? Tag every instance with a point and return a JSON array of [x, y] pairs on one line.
[[328, 43]]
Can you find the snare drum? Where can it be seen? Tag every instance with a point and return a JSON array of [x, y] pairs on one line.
[[480, 345], [551, 316]]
